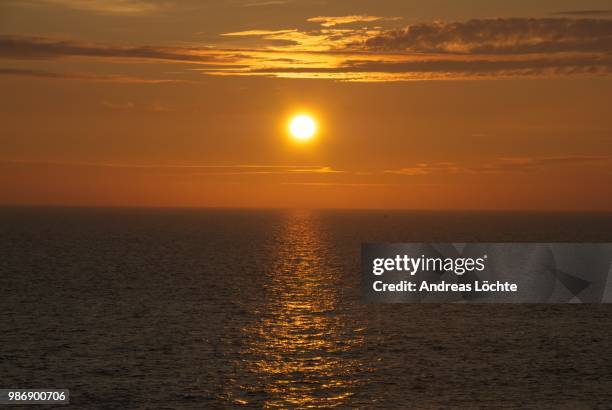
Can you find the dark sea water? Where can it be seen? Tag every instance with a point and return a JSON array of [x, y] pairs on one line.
[[184, 309]]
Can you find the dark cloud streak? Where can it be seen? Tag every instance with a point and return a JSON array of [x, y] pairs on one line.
[[584, 13], [81, 76], [24, 47], [580, 65], [499, 36]]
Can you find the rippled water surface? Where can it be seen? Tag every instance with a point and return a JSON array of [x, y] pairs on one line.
[[219, 308]]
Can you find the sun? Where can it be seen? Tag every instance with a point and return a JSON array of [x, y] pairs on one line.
[[302, 127]]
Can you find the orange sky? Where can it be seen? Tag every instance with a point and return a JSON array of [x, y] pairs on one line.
[[420, 104]]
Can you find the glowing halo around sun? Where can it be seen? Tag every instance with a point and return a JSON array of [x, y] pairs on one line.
[[302, 127]]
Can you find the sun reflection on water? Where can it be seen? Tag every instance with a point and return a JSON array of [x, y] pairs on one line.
[[301, 350]]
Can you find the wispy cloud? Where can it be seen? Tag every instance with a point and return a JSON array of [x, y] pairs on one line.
[[425, 169], [258, 33], [330, 21], [196, 169], [82, 76], [128, 106], [327, 176], [264, 3], [267, 170], [130, 7], [583, 13], [27, 47], [316, 170], [454, 69], [535, 163], [501, 165]]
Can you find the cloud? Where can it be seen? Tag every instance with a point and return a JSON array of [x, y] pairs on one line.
[[328, 21], [319, 170], [129, 106], [270, 169], [530, 163], [193, 169], [83, 76], [499, 36], [583, 13], [455, 69], [263, 3], [25, 47], [445, 68], [476, 49], [294, 40], [490, 48], [129, 7], [257, 33], [425, 169], [501, 165], [119, 106]]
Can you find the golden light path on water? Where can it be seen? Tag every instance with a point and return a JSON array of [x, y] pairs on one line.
[[300, 350]]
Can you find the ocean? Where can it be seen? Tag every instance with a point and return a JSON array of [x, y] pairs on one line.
[[212, 308]]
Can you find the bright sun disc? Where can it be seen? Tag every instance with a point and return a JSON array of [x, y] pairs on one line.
[[302, 127]]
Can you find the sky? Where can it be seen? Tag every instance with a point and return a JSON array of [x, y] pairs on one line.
[[434, 104]]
